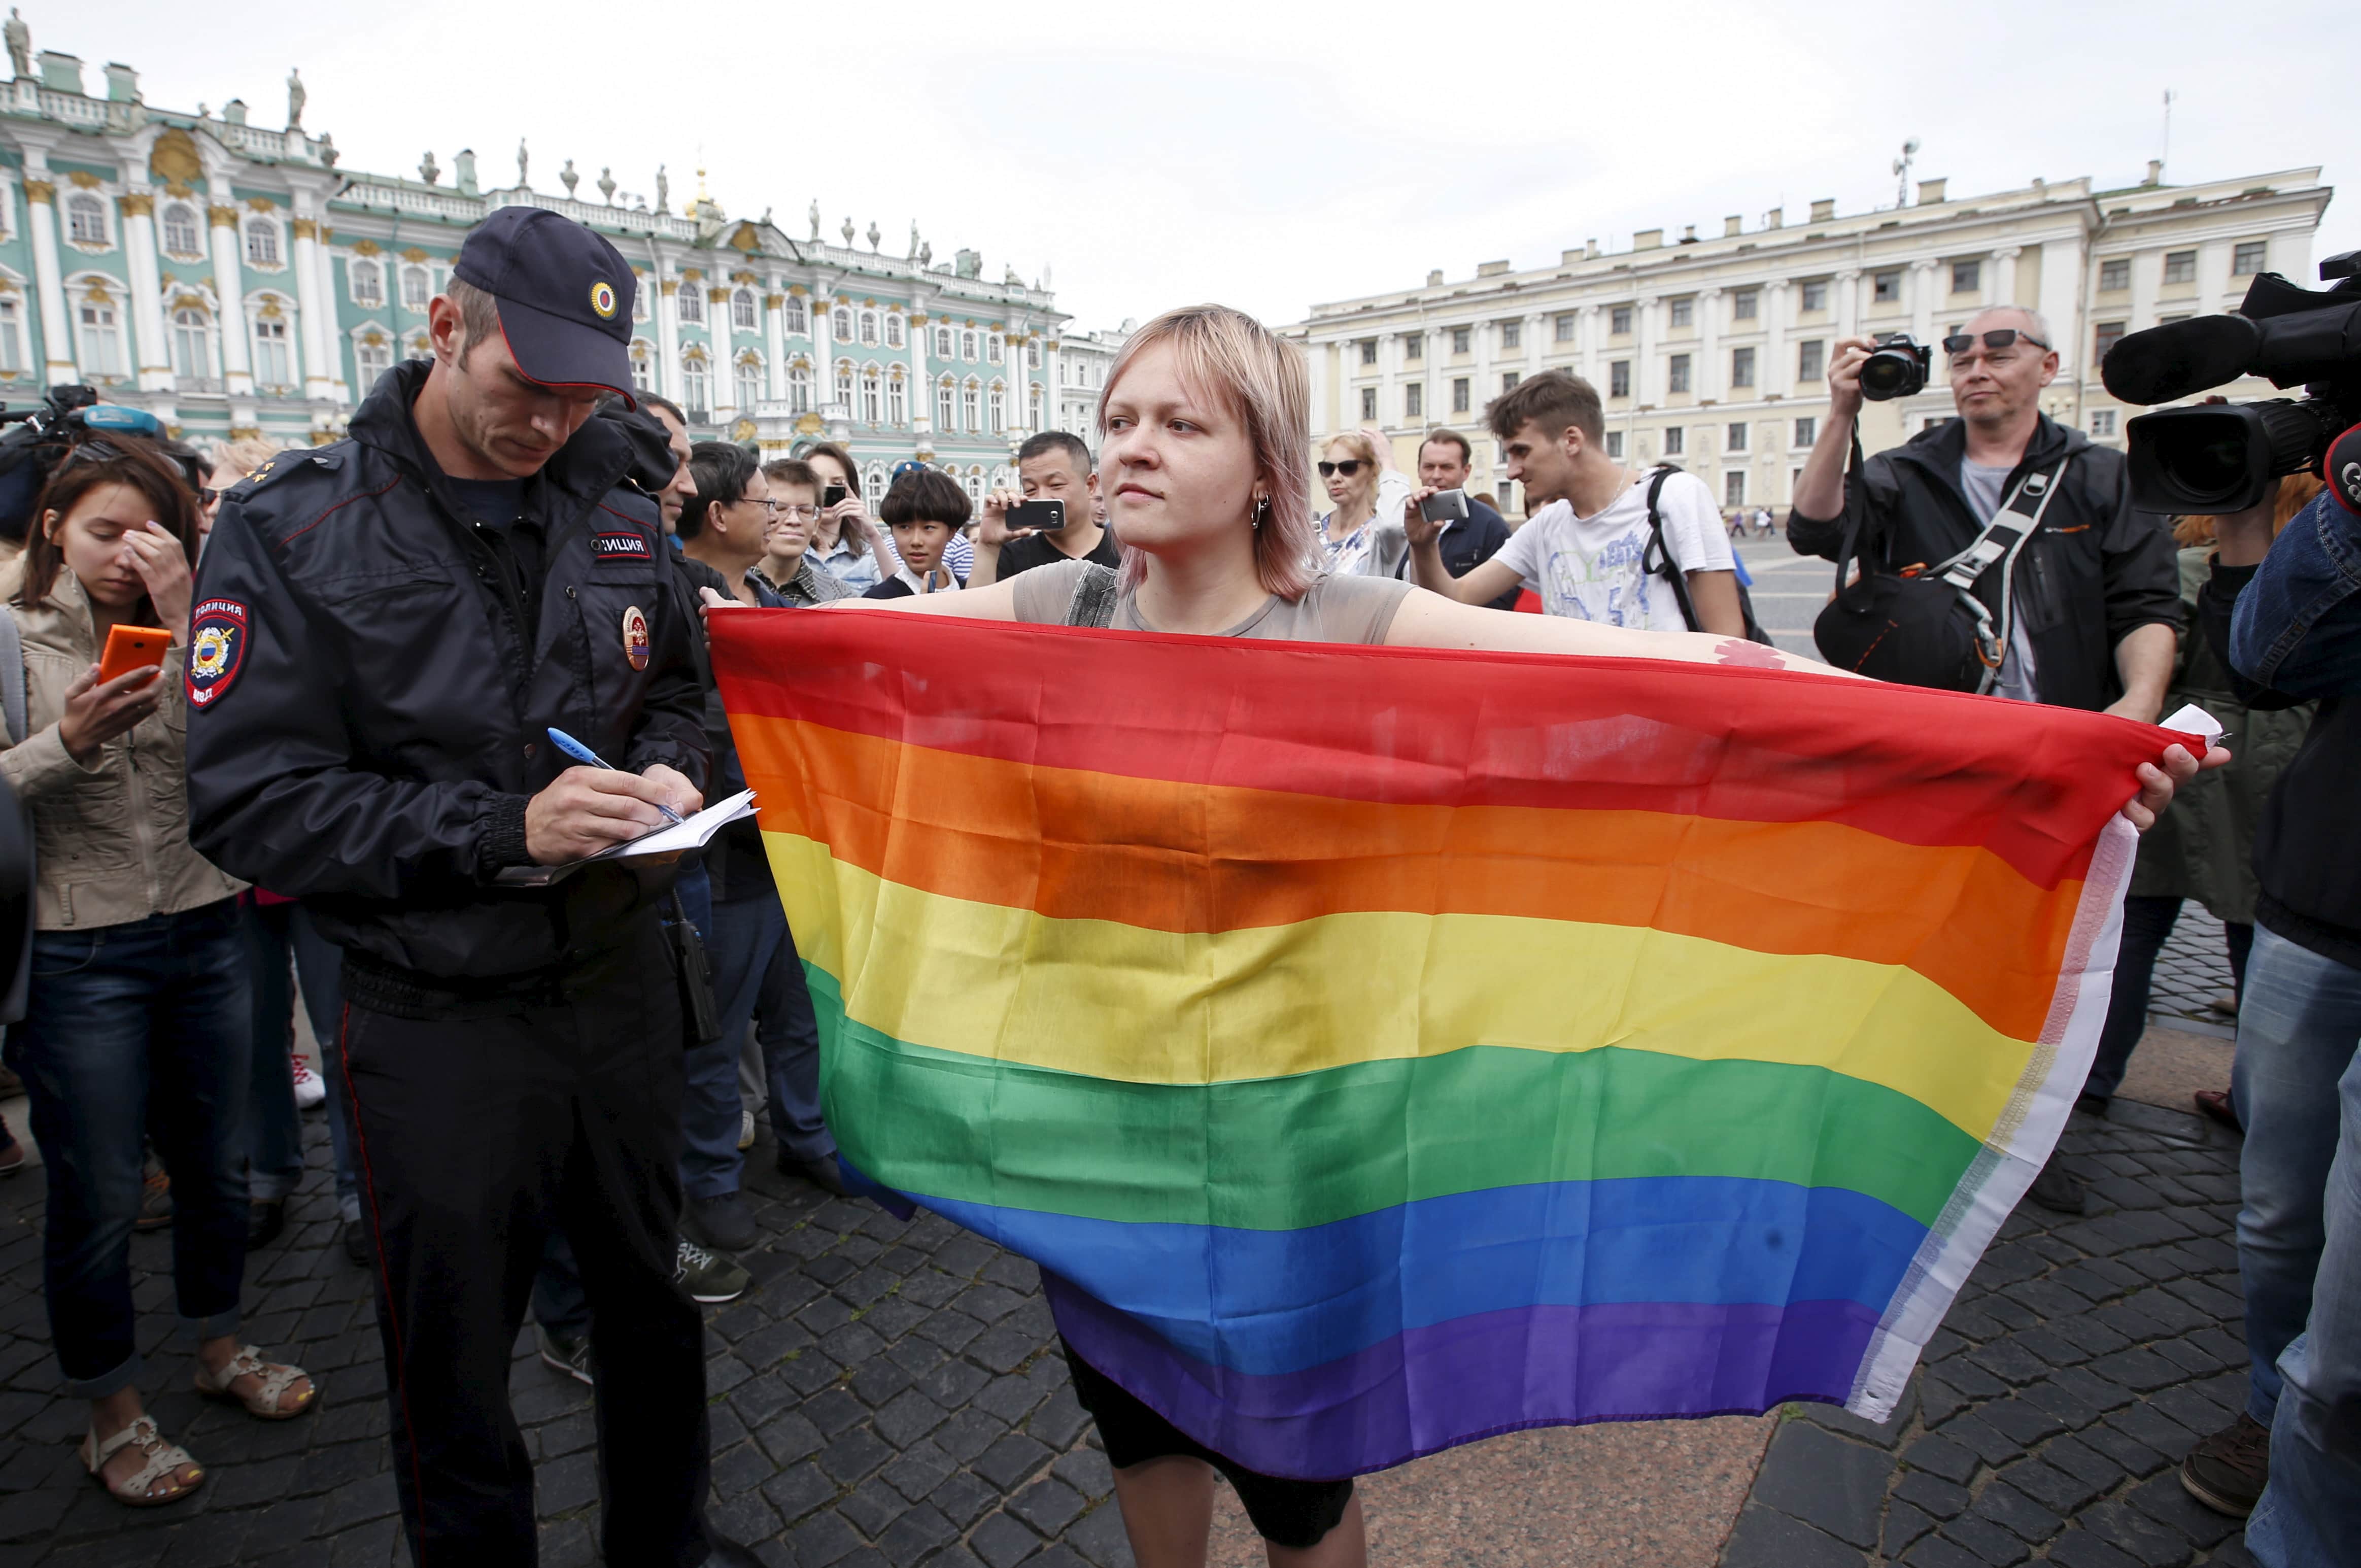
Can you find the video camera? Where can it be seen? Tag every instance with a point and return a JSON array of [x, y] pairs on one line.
[[36, 441], [2218, 457]]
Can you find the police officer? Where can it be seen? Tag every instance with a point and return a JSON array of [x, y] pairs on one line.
[[385, 630]]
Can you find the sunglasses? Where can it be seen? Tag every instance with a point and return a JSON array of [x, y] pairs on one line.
[[1995, 340], [1350, 467]]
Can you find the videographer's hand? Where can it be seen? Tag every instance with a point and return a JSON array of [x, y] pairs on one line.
[[1844, 376], [96, 714], [1414, 522], [2159, 779], [994, 529], [586, 809]]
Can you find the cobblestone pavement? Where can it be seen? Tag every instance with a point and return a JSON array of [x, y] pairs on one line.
[[2082, 1359], [2193, 969], [890, 1392]]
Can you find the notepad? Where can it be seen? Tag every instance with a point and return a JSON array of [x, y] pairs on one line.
[[672, 839]]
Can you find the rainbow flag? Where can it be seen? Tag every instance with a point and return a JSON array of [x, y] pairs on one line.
[[1380, 1048]]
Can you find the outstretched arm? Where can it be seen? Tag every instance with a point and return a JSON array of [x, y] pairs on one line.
[[1430, 620]]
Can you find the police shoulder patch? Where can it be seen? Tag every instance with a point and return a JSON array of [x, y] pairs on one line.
[[217, 633], [619, 544]]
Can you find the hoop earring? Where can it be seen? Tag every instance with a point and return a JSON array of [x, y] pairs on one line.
[[1261, 512]]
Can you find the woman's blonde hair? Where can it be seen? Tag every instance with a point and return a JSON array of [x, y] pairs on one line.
[[243, 456], [1228, 357]]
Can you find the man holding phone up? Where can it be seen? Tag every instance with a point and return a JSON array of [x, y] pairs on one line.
[[1019, 532], [404, 617], [1471, 533]]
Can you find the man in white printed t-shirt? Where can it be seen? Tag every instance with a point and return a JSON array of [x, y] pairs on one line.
[[1583, 548]]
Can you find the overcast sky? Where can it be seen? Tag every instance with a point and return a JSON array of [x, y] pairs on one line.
[[1266, 155]]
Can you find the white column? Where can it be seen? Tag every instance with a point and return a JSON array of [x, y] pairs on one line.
[[152, 357], [1643, 355], [1709, 381], [1776, 376], [823, 362], [2147, 276], [332, 331], [2062, 279], [1588, 347], [307, 337], [1486, 388], [922, 387], [229, 289], [718, 328], [2003, 266], [774, 346], [1389, 381], [1323, 410], [668, 336], [1053, 389], [57, 322], [1922, 300], [1848, 305], [1535, 345]]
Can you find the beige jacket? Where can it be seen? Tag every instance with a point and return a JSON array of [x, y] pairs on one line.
[[111, 839]]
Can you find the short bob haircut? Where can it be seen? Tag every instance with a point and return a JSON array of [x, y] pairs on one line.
[[1229, 358], [929, 495], [98, 462]]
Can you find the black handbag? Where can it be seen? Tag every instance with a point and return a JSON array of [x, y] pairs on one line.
[[1925, 626], [701, 1014]]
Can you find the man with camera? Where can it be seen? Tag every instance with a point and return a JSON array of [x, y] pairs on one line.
[[1472, 533], [1022, 532]]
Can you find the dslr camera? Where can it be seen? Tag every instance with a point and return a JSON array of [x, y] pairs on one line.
[[1896, 368], [2218, 457], [35, 440]]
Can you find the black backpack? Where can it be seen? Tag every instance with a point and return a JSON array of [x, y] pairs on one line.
[[1658, 558]]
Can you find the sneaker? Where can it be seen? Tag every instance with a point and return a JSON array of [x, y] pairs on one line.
[[821, 1171], [310, 1090], [2216, 1104], [721, 1222], [709, 1281], [155, 1199], [2226, 1472], [746, 1131], [568, 1353], [2056, 1189], [357, 1243], [12, 1153]]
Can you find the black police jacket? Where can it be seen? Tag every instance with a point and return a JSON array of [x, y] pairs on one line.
[[369, 697], [2097, 570]]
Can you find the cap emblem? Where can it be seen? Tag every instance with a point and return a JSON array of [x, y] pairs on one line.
[[602, 299]]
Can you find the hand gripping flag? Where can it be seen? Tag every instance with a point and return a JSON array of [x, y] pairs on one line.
[[1379, 1048]]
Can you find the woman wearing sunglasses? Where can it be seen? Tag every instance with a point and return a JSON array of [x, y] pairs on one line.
[[1354, 539]]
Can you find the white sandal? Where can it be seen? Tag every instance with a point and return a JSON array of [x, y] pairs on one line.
[[163, 1458], [263, 1403]]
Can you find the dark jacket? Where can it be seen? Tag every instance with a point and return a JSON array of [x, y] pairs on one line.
[[736, 860], [1467, 545], [2291, 631], [2097, 571], [384, 718]]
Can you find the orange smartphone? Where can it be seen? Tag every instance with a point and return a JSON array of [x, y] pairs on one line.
[[130, 648]]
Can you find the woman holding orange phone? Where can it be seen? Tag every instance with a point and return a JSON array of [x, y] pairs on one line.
[[137, 1020]]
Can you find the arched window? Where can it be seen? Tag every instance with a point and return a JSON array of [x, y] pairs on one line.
[[992, 349], [102, 337], [692, 305], [869, 328], [741, 311], [367, 280], [967, 346], [844, 385], [181, 234], [261, 242], [799, 388], [193, 344], [974, 484], [892, 331], [696, 386], [971, 404], [1033, 354], [750, 382], [999, 407], [372, 358], [798, 320], [872, 486], [85, 219], [840, 324], [945, 420], [897, 402], [942, 343], [1035, 421], [644, 365], [872, 408], [417, 287], [12, 342], [273, 361]]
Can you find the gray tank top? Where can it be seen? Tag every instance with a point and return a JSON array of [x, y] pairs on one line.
[[1334, 609]]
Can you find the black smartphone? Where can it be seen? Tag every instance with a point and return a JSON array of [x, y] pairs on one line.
[[1445, 506], [1047, 516], [832, 494]]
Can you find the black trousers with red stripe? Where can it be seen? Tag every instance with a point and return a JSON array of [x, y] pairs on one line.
[[482, 1125]]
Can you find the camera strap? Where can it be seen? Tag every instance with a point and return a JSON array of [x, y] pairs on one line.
[[2000, 544]]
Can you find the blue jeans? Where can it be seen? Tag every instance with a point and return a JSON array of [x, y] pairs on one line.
[[789, 1036], [740, 940], [274, 932], [137, 1031]]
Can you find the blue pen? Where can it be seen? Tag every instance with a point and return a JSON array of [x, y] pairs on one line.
[[581, 753]]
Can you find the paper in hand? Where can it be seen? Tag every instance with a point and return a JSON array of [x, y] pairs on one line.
[[672, 839]]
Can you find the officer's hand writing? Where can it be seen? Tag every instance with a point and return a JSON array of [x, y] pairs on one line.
[[96, 714], [163, 565], [586, 809], [684, 796]]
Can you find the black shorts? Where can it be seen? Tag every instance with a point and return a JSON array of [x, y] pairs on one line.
[[1294, 1514]]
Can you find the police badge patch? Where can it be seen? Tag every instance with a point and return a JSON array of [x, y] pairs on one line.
[[216, 648], [636, 641]]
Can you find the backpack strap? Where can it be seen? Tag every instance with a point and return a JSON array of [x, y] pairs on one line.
[[2002, 540], [1658, 555], [1095, 592], [12, 675]]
